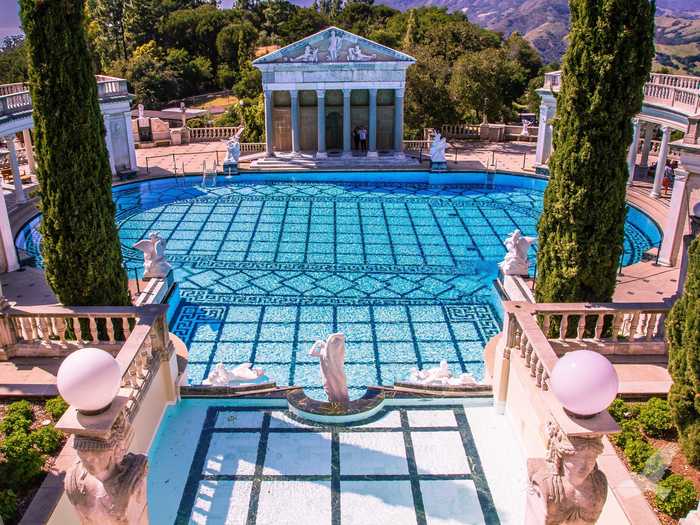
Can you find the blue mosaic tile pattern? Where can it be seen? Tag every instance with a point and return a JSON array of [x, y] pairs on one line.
[[265, 269]]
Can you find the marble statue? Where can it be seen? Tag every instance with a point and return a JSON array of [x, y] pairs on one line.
[[140, 108], [440, 376], [437, 148], [310, 55], [515, 261], [106, 486], [525, 132], [233, 147], [355, 54], [154, 263], [241, 375], [566, 487], [332, 355], [335, 42]]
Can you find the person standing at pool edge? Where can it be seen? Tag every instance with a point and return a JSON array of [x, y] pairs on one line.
[[363, 139]]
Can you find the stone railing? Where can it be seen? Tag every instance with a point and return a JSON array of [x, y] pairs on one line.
[[252, 147], [679, 81], [515, 132], [415, 146], [676, 91], [674, 152], [461, 131], [211, 134], [58, 330], [15, 98]]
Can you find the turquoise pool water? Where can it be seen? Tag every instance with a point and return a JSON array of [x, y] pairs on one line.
[[404, 269]]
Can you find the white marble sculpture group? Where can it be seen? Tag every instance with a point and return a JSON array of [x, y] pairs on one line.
[[233, 147], [331, 352], [154, 263], [515, 261], [438, 148], [440, 376], [335, 45], [243, 374]]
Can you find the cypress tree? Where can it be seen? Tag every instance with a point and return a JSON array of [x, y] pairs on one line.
[[683, 329], [603, 74], [81, 249]]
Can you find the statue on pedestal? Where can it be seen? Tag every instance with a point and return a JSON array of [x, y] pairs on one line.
[[525, 132], [233, 152], [438, 162], [566, 487], [154, 263], [106, 486], [332, 355], [515, 261]]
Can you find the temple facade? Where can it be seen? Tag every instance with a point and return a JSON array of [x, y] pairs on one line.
[[327, 91]]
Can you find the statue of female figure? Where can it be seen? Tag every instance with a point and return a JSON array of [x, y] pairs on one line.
[[104, 490], [566, 488], [437, 148], [332, 355]]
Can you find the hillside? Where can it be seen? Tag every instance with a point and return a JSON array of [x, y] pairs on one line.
[[545, 24]]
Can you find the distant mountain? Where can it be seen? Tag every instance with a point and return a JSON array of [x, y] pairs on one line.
[[545, 23]]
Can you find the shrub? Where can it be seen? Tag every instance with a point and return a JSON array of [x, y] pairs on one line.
[[8, 504], [22, 463], [638, 452], [676, 496], [621, 410], [629, 431], [655, 418], [56, 407], [47, 439], [18, 418]]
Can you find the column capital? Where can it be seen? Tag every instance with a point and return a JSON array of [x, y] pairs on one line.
[[320, 93], [666, 130], [636, 122], [373, 91], [294, 93], [347, 92], [399, 92]]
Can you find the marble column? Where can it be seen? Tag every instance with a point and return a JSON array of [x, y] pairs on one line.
[[109, 144], [294, 94], [130, 140], [676, 217], [268, 125], [661, 161], [20, 196], [544, 139], [372, 147], [632, 153], [8, 242], [321, 124], [398, 122], [646, 147], [347, 146], [29, 149]]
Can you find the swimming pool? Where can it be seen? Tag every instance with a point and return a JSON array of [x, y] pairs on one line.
[[405, 269]]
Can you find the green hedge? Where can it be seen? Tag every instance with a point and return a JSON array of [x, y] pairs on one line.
[[676, 496]]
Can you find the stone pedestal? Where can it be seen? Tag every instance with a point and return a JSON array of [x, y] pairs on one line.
[[230, 168], [438, 167]]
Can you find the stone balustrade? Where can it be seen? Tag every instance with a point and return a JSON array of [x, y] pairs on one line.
[[211, 134], [58, 330], [252, 147], [679, 81], [416, 146], [15, 98], [674, 153], [460, 131]]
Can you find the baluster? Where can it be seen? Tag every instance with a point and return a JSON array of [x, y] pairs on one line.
[[533, 365], [93, 329], [126, 327], [528, 355], [77, 330], [538, 378], [581, 328], [19, 329], [523, 345], [61, 331], [617, 321], [563, 326], [110, 329], [45, 333], [599, 323], [546, 320], [545, 380], [34, 327], [651, 325], [634, 325]]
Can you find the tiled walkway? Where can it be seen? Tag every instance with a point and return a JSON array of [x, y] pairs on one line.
[[407, 465]]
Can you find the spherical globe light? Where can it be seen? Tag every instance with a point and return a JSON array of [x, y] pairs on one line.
[[89, 379], [584, 382]]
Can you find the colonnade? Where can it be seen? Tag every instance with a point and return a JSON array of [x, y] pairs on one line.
[[321, 123]]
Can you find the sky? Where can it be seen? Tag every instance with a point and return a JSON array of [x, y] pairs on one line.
[[9, 18]]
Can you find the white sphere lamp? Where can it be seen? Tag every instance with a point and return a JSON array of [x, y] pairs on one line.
[[89, 379], [584, 382]]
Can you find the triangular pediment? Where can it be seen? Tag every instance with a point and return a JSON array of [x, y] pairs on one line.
[[333, 45]]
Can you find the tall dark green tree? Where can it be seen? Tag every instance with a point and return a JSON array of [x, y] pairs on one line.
[[81, 249], [581, 227], [683, 328]]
